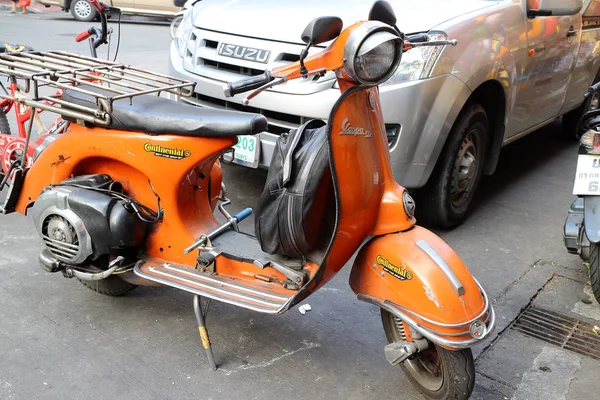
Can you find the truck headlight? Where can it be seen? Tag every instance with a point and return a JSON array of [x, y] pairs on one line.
[[418, 62], [372, 53], [184, 30], [590, 142]]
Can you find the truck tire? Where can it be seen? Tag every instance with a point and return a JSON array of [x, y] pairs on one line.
[[570, 119], [83, 11], [445, 200]]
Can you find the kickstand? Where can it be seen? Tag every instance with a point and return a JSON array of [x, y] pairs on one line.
[[200, 317]]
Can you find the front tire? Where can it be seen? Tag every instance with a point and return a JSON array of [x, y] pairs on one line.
[[438, 373], [83, 11], [445, 200], [595, 269]]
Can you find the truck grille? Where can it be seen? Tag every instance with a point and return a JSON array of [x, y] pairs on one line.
[[202, 54]]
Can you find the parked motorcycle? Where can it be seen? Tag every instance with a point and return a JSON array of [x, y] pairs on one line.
[[126, 196], [582, 227]]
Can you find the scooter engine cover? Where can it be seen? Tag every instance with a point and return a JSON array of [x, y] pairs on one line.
[[77, 223]]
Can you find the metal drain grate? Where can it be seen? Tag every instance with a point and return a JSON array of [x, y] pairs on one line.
[[560, 330]]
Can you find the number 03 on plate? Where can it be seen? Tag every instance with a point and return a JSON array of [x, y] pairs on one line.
[[587, 177]]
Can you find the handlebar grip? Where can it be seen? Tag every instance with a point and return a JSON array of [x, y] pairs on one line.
[[96, 4], [245, 213], [244, 85], [418, 38], [83, 35]]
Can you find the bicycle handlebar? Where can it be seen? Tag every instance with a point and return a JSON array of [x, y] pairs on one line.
[[84, 35]]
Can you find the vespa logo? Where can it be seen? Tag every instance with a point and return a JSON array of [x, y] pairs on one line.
[[348, 129], [244, 53]]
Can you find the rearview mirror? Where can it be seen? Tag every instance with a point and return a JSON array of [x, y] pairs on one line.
[[547, 8], [382, 11], [322, 29]]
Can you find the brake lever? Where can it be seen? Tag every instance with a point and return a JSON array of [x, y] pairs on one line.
[[274, 82]]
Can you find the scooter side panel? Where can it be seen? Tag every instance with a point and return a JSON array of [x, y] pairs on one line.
[[177, 168]]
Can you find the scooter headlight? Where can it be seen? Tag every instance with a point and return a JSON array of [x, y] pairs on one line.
[[590, 141], [372, 53]]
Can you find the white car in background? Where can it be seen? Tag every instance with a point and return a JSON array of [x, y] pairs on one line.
[[518, 65]]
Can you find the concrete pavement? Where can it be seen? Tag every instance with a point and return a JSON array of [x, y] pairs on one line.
[[60, 340]]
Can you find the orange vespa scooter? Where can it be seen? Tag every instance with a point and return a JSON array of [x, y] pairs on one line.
[[125, 197]]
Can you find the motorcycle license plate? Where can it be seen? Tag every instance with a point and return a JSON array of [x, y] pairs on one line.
[[247, 151], [587, 177]]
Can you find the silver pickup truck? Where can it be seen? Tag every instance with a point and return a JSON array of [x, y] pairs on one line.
[[518, 65]]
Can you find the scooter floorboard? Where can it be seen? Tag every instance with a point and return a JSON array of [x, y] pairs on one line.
[[219, 287]]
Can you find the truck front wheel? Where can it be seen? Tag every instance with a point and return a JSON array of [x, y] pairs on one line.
[[445, 200]]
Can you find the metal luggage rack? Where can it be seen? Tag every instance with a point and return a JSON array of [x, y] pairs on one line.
[[34, 71]]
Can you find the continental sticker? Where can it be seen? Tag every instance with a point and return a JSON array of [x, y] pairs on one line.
[[159, 151], [394, 270]]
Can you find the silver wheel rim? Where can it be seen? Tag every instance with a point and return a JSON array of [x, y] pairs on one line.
[[83, 9], [426, 378], [465, 170]]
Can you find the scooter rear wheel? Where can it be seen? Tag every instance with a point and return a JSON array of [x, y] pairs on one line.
[[110, 286], [438, 373]]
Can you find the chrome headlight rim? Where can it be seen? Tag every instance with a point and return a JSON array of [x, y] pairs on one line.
[[355, 42]]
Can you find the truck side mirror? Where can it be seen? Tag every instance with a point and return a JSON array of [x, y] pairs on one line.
[[548, 8]]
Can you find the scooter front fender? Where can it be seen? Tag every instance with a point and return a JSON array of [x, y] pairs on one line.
[[416, 276]]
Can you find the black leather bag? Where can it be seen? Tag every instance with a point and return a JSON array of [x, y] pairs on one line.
[[296, 195]]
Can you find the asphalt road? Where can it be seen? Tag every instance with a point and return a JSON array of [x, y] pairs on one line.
[[60, 340]]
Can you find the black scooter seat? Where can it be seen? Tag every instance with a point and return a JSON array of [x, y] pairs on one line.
[[160, 116]]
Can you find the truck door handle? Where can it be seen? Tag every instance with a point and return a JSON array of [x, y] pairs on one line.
[[571, 32]]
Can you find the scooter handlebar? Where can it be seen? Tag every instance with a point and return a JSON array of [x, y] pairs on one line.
[[245, 85], [97, 5], [418, 38], [83, 35], [245, 213]]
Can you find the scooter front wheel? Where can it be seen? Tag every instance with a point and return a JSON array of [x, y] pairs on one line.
[[438, 373]]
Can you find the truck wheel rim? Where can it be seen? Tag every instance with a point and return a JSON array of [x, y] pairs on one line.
[[83, 9], [465, 170]]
